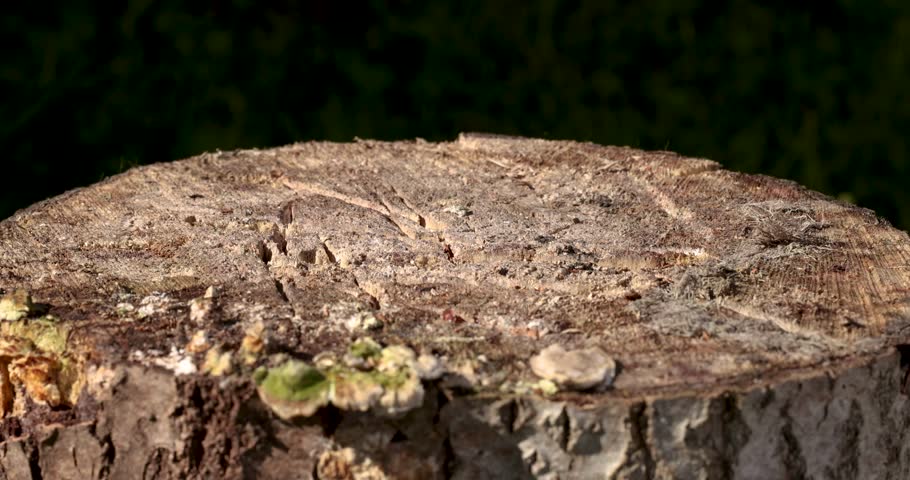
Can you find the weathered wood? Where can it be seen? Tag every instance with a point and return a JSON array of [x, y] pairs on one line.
[[208, 318]]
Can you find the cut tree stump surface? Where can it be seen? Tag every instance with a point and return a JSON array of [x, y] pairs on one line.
[[539, 309]]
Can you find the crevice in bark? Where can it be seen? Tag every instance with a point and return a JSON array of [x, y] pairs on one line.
[[197, 437], [904, 352], [448, 459], [153, 467], [736, 434], [109, 456], [34, 462], [448, 451], [510, 413], [848, 434], [564, 425], [794, 461], [315, 472], [638, 414], [829, 387]]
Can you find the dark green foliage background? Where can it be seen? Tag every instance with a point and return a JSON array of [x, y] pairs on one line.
[[813, 91]]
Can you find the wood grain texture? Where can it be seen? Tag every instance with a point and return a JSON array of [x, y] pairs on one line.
[[757, 327]]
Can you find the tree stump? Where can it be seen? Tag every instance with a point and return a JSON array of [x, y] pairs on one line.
[[491, 308]]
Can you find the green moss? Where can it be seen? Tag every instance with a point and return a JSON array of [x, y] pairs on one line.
[[394, 379], [259, 374], [294, 381], [385, 379], [365, 348]]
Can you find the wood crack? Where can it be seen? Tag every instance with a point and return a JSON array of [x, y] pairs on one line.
[[392, 220], [281, 293], [782, 324], [420, 219], [373, 299], [382, 208], [265, 255], [328, 252]]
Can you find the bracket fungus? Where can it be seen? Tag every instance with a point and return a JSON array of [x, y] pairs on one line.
[[292, 389], [581, 369], [387, 380]]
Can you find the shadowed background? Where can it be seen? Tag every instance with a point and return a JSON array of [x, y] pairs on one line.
[[816, 93]]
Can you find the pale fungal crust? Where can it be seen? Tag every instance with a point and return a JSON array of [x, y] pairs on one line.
[[200, 308], [355, 317], [345, 464], [580, 369], [177, 361], [429, 367], [198, 343], [217, 362], [153, 304], [252, 344]]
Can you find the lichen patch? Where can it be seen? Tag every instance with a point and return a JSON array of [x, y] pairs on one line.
[[347, 464]]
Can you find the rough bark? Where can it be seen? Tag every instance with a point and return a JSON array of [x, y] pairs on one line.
[[754, 329]]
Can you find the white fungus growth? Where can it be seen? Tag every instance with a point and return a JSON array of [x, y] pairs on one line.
[[581, 369]]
